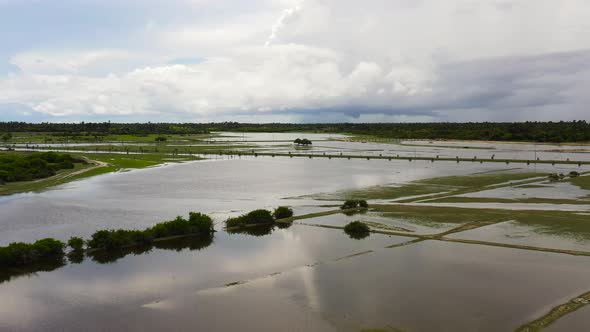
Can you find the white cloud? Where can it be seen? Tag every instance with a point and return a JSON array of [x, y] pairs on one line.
[[372, 60]]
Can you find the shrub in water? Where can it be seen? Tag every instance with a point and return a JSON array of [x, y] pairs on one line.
[[197, 223], [200, 223], [114, 239], [357, 230], [76, 243], [349, 204], [353, 204], [282, 212], [253, 218], [19, 253]]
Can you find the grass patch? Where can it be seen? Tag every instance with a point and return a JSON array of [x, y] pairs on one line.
[[581, 181], [561, 223], [441, 185], [531, 200], [479, 180], [115, 163], [61, 177], [556, 313]]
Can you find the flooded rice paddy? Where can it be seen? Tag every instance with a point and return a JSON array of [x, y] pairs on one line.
[[408, 275]]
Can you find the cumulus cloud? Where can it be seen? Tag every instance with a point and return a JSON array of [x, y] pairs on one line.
[[329, 60]]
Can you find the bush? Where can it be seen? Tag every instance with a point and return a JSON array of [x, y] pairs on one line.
[[48, 247], [349, 204], [282, 212], [200, 223], [353, 204], [26, 167], [357, 230], [76, 243], [255, 217], [574, 174], [115, 239], [197, 223], [19, 253]]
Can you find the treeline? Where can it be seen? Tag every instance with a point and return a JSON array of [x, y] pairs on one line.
[[19, 254], [574, 131], [18, 167], [104, 128]]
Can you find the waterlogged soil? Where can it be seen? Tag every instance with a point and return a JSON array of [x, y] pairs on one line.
[[560, 190], [578, 320], [387, 221], [564, 234]]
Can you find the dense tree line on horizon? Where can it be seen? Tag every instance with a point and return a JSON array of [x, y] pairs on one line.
[[570, 131]]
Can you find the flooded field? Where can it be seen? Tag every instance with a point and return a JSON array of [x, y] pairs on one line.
[[454, 247]]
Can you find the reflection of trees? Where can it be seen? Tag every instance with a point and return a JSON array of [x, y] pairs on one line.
[[191, 243], [357, 235], [111, 256], [261, 230], [254, 231], [45, 266], [353, 212]]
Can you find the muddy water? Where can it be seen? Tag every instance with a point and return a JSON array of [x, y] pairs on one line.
[[427, 286], [575, 321], [141, 198], [100, 292]]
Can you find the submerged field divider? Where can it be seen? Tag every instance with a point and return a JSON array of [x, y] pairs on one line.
[[340, 155], [398, 157]]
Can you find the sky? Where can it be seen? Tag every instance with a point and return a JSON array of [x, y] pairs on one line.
[[294, 60]]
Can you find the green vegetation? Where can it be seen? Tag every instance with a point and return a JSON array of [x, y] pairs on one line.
[[83, 170], [357, 230], [581, 181], [354, 204], [76, 243], [161, 139], [304, 142], [529, 200], [574, 131], [19, 254], [6, 137], [556, 313], [192, 243], [282, 212], [184, 150], [197, 223], [255, 217], [26, 167], [449, 185], [562, 223], [115, 239]]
